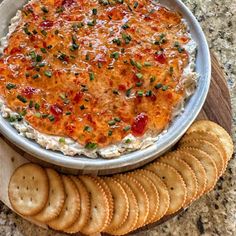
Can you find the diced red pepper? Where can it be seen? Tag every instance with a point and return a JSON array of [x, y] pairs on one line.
[[161, 58], [46, 24], [139, 124], [15, 50], [122, 87], [56, 110], [78, 96], [28, 91]]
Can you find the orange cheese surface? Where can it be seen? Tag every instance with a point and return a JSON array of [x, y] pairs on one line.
[[95, 71]]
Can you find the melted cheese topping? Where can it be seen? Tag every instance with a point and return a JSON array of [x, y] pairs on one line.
[[95, 71]]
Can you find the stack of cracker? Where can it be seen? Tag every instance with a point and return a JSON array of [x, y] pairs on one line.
[[125, 202]]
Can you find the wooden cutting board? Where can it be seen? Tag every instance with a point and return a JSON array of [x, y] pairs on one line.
[[217, 108]]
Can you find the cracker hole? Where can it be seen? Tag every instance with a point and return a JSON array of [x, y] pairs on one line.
[[12, 159], [27, 188], [171, 188], [37, 189], [49, 204], [23, 177], [21, 198], [66, 208], [52, 191], [163, 177], [18, 187], [32, 177], [95, 207], [31, 199]]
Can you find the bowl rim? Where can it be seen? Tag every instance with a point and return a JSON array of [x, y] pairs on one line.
[[135, 158]]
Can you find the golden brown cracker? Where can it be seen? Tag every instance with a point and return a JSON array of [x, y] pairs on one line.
[[71, 208], [141, 196], [84, 207], [221, 133], [121, 204], [109, 198], [28, 189], [56, 198], [196, 166], [164, 197], [210, 137], [210, 149], [152, 193], [132, 219], [99, 211], [174, 182], [187, 174], [207, 163]]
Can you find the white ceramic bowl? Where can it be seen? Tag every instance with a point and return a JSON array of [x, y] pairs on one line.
[[134, 159]]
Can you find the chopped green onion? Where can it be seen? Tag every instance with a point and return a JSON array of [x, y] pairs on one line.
[[43, 50], [62, 140], [128, 141], [39, 58], [94, 11], [127, 128], [140, 93], [152, 79], [48, 73], [125, 26], [91, 23], [139, 84], [117, 119], [115, 91], [147, 64], [135, 5], [35, 76], [165, 87], [22, 99], [44, 9], [127, 38], [87, 128], [149, 93], [37, 114], [87, 57], [68, 113], [51, 118], [115, 55], [110, 132], [139, 75], [91, 76], [158, 86], [111, 122], [31, 104], [91, 145], [60, 9], [117, 41], [82, 107], [44, 33], [128, 92], [36, 106], [10, 86]]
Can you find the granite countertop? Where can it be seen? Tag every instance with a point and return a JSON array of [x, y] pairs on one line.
[[215, 213]]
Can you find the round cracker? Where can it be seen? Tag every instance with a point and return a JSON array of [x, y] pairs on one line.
[[69, 212], [84, 207], [196, 166], [210, 137], [174, 182], [207, 163], [56, 198], [152, 194], [121, 204], [210, 149], [132, 219], [99, 211], [164, 197], [141, 196], [221, 133], [28, 189], [109, 198], [187, 174]]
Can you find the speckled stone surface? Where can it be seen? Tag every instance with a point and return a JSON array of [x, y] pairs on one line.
[[215, 213]]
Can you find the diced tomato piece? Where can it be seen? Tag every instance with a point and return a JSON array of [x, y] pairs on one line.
[[139, 124]]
